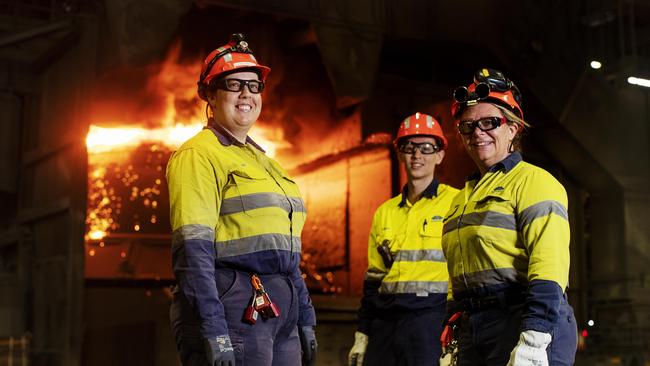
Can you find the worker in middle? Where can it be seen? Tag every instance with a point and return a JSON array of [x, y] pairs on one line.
[[405, 286]]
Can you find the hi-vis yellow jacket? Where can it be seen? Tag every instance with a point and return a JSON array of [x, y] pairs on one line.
[[418, 276], [232, 207], [509, 229]]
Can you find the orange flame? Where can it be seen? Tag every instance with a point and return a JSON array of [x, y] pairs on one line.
[[177, 115], [104, 139]]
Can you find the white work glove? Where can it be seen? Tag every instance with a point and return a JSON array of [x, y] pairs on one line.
[[531, 349], [358, 351], [446, 360]]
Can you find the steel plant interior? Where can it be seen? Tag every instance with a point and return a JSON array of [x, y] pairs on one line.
[[344, 75]]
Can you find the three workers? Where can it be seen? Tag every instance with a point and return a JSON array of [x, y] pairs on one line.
[[499, 247]]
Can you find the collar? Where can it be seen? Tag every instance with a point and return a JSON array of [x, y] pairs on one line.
[[506, 165], [429, 192], [226, 138]]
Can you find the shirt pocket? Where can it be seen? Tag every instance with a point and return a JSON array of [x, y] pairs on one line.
[[432, 229], [493, 211], [431, 235], [292, 191], [250, 192], [499, 202]]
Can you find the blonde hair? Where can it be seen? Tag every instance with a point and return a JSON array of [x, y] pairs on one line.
[[512, 118]]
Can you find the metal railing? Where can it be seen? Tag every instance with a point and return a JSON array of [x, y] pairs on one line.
[[14, 351]]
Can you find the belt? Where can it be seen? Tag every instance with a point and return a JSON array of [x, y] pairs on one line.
[[477, 304], [497, 301], [397, 314]]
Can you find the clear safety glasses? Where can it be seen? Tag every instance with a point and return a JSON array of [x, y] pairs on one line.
[[484, 124], [237, 85], [425, 148]]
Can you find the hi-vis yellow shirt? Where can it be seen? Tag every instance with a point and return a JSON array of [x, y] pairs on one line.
[[508, 227], [418, 276], [232, 207]]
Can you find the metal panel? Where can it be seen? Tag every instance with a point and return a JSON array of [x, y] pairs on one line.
[[52, 191], [9, 118], [342, 192]]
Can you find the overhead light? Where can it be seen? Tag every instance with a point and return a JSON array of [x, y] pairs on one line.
[[639, 81], [595, 65], [591, 323]]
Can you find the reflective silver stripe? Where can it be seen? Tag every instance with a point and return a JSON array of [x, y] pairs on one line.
[[541, 209], [434, 255], [297, 204], [489, 277], [260, 200], [450, 225], [412, 287], [374, 276], [192, 232], [258, 243], [489, 218]]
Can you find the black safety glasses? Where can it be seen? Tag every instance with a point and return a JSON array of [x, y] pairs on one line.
[[487, 81], [462, 94], [484, 124], [237, 85], [425, 148]]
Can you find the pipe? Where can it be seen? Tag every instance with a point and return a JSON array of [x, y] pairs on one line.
[[35, 32]]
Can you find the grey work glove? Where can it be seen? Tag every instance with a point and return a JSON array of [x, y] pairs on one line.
[[308, 344], [358, 351], [219, 351]]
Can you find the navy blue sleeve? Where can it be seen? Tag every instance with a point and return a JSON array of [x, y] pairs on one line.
[[542, 307], [367, 309], [193, 266], [307, 315]]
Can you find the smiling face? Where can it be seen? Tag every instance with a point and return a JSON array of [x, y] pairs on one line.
[[487, 148], [236, 111], [418, 165]]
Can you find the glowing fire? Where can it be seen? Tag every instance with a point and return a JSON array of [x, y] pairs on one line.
[[115, 182], [127, 160], [104, 202], [103, 139], [137, 127]]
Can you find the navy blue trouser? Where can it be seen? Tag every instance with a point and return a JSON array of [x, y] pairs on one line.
[[408, 339], [487, 337], [270, 342]]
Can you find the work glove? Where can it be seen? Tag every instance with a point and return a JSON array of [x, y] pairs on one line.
[[531, 349], [358, 351], [445, 360], [308, 344], [219, 351]]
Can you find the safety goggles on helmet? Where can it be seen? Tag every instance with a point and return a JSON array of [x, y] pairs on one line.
[[488, 85], [426, 148], [237, 85], [467, 127]]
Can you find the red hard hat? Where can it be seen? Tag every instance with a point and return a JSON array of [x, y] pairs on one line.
[[421, 124], [489, 86], [231, 56]]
